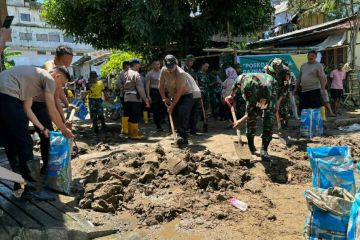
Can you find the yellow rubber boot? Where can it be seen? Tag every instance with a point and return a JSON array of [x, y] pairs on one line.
[[134, 131], [125, 125], [323, 113], [146, 117]]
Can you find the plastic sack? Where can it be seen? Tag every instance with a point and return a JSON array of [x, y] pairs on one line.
[[329, 212], [58, 175], [354, 221], [311, 123], [332, 166], [82, 112]]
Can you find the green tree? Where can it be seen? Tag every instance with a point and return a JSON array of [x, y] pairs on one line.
[[157, 26], [7, 54], [334, 9], [114, 65]]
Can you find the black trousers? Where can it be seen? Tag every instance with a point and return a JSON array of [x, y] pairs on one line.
[[157, 106], [310, 99], [15, 134], [181, 114], [133, 110], [40, 111], [195, 114]]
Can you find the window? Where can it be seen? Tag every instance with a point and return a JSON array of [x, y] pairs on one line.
[[25, 17], [25, 36], [42, 37], [54, 38], [41, 52], [68, 39]]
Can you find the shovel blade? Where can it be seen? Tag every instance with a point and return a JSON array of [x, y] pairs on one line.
[[242, 151]]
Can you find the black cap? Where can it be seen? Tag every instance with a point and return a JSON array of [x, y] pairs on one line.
[[170, 61], [63, 70], [93, 74], [134, 61]]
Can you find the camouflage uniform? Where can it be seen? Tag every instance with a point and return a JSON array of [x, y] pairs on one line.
[[240, 103], [203, 82], [282, 74], [190, 71], [215, 94], [256, 87]]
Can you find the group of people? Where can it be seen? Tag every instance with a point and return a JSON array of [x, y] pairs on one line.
[[34, 94]]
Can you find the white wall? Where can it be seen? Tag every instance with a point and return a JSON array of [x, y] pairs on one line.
[[36, 25]]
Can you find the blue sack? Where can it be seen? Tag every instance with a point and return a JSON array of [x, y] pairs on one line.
[[329, 212], [311, 123], [354, 221], [59, 170], [332, 166], [82, 112]]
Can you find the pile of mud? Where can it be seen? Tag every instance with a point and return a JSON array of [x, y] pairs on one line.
[[157, 185]]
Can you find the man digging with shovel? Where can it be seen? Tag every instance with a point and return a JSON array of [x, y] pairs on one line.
[[178, 98], [259, 92]]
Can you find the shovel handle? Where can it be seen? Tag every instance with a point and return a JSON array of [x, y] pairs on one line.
[[233, 114], [172, 126], [203, 110]]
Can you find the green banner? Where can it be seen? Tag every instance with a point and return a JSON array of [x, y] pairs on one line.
[[256, 63]]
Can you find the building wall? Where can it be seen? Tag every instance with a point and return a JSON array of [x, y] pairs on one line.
[[34, 38]]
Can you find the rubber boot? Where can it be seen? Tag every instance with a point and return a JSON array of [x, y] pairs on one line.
[[251, 145], [134, 131], [95, 127], [146, 117], [125, 125], [34, 189], [103, 125], [264, 151]]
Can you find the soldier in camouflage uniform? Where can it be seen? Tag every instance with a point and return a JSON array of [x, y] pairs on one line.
[[278, 69], [203, 83], [214, 92], [240, 103], [259, 92], [190, 59]]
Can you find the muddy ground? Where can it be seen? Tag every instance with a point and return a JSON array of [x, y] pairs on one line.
[[152, 190]]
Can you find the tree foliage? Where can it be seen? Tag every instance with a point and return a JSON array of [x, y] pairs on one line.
[[114, 65], [157, 25], [7, 55]]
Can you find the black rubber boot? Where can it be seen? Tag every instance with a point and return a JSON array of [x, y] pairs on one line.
[[264, 151], [33, 188], [251, 144], [103, 125], [95, 127]]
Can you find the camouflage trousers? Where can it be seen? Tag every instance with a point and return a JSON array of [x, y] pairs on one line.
[[240, 106], [284, 110], [96, 109], [215, 103], [267, 120]]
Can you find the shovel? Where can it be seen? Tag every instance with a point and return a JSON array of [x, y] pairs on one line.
[[172, 127], [241, 148], [280, 134], [205, 125]]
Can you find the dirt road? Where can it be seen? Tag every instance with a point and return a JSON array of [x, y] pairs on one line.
[[151, 190]]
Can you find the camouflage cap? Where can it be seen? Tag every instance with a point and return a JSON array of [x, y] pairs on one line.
[[190, 57]]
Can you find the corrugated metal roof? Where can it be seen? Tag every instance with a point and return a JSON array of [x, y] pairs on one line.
[[327, 25]]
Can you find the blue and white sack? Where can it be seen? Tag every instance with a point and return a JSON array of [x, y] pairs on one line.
[[354, 221], [311, 123], [332, 167], [59, 170], [329, 212]]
